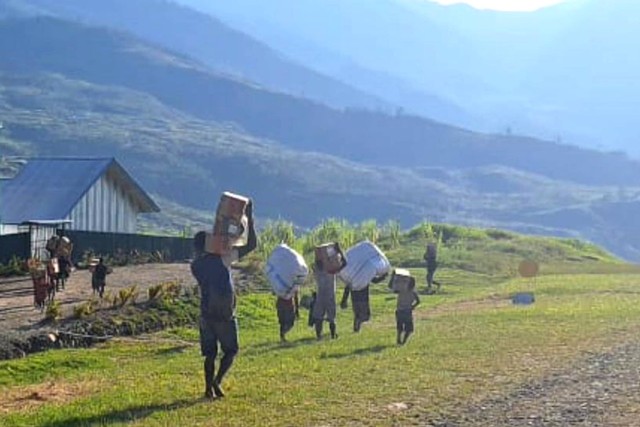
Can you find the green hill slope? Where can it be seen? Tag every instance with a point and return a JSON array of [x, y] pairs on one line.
[[206, 39], [187, 161], [110, 58], [188, 134]]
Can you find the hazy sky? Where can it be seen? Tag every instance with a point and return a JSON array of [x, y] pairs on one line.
[[520, 5]]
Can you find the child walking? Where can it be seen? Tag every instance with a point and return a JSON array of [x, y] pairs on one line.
[[408, 300]]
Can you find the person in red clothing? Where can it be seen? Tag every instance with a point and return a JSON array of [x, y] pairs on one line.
[[288, 312]]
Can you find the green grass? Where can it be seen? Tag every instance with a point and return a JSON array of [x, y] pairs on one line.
[[470, 343], [491, 252]]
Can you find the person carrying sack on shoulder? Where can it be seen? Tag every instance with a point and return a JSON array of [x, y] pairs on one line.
[[359, 303], [324, 307], [218, 324], [288, 312]]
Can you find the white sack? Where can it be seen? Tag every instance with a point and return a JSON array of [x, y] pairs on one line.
[[286, 271], [365, 261]]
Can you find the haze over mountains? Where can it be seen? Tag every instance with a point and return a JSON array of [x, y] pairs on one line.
[[194, 107], [565, 72]]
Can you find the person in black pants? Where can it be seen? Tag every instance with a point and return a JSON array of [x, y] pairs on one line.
[[99, 279], [218, 324], [431, 259], [359, 303], [288, 311]]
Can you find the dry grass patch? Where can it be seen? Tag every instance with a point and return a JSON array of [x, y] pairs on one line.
[[493, 302], [27, 398]]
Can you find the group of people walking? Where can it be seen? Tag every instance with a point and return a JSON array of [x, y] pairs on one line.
[[218, 324], [323, 307]]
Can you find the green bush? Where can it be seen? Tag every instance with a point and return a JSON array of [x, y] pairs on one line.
[[53, 311], [85, 309], [15, 267]]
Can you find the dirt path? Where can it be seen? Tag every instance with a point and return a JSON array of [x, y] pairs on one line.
[[16, 294], [600, 390]]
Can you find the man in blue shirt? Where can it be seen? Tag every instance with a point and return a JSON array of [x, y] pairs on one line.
[[218, 323]]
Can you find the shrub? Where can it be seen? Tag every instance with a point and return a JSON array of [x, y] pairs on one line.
[[128, 295], [110, 299], [392, 230], [54, 311], [85, 309], [15, 267], [165, 291], [155, 292]]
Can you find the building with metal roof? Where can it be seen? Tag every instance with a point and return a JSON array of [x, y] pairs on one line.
[[87, 194]]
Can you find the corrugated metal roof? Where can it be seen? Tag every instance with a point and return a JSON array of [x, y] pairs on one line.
[[49, 188]]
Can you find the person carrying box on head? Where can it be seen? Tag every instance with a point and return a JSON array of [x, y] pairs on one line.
[[214, 255], [329, 261], [405, 286]]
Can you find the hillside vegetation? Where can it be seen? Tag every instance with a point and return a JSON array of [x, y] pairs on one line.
[[115, 59], [208, 40], [188, 133], [489, 253], [562, 71], [49, 114]]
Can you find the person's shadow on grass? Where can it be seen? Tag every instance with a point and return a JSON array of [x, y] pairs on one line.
[[278, 346], [357, 352], [126, 415]]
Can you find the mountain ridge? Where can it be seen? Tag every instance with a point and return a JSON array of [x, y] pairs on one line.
[[71, 88], [112, 58], [207, 40]]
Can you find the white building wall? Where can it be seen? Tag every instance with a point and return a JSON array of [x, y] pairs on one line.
[[106, 208], [8, 229]]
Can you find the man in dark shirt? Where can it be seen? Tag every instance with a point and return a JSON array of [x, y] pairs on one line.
[[218, 323], [99, 278]]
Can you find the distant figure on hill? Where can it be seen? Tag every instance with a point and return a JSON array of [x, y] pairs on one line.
[[359, 303], [408, 300], [288, 312], [324, 307], [431, 259], [218, 325], [99, 277]]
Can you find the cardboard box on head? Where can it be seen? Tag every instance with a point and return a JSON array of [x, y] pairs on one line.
[[231, 225], [401, 280], [93, 263], [331, 257]]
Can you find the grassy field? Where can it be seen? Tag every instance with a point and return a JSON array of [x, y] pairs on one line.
[[470, 344]]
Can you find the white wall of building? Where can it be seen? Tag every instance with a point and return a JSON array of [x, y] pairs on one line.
[[106, 208], [8, 229]]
